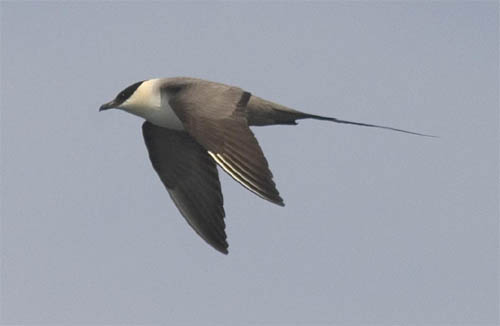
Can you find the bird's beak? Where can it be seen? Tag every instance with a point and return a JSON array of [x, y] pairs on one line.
[[107, 106]]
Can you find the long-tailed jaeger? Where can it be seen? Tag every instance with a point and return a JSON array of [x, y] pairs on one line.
[[192, 125]]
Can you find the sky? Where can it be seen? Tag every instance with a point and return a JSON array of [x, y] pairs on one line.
[[379, 227]]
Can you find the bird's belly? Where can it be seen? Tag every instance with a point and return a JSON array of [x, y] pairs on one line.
[[161, 116]]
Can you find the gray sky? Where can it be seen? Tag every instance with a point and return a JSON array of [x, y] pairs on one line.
[[378, 227]]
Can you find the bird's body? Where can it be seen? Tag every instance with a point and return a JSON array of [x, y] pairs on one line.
[[191, 126]]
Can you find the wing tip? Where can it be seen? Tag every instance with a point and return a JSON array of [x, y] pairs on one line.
[[222, 249], [278, 201]]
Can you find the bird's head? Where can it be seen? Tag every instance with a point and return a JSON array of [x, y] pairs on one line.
[[123, 98]]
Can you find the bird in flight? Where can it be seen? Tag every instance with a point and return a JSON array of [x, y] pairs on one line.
[[193, 125]]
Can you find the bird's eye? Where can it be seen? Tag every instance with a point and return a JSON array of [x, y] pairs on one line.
[[127, 92]]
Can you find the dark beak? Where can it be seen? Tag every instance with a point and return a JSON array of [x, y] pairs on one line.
[[107, 106]]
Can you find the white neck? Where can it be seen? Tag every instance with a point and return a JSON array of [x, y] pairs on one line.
[[147, 102]]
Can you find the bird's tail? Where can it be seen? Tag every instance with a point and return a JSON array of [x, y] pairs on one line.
[[319, 117], [264, 113]]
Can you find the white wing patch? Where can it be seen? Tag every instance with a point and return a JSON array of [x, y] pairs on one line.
[[238, 176]]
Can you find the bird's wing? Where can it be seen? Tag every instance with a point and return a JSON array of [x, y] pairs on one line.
[[215, 115], [191, 178]]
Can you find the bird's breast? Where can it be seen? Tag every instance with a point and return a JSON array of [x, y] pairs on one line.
[[164, 116]]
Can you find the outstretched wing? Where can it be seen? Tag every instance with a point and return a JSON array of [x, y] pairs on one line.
[[215, 115], [191, 178]]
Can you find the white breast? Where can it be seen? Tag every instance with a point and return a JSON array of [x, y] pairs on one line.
[[147, 103]]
